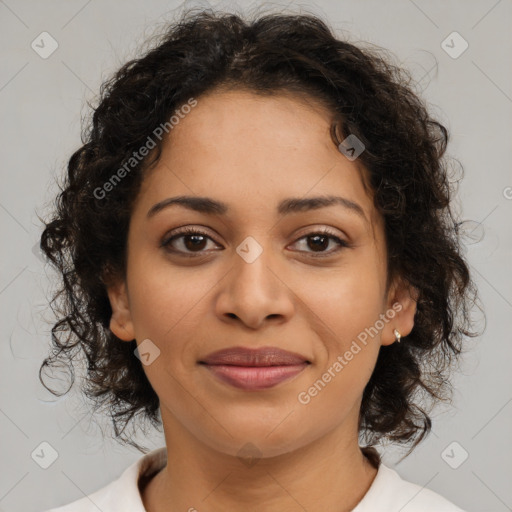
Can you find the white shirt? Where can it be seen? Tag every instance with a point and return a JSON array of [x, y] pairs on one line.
[[388, 492]]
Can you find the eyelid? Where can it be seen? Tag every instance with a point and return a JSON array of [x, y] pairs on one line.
[[307, 230], [320, 228]]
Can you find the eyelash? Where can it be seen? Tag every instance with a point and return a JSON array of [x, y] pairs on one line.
[[194, 231]]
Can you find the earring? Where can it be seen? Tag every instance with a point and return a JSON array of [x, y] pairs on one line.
[[397, 335]]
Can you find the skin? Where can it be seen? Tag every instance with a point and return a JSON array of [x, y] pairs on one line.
[[251, 152]]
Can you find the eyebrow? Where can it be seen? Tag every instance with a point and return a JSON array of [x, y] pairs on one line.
[[211, 206]]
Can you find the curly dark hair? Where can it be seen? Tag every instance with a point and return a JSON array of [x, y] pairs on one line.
[[407, 173]]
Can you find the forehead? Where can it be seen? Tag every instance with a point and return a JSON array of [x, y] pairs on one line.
[[252, 151], [240, 122]]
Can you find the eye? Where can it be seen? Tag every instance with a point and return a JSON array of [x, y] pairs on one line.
[[189, 241], [318, 241]]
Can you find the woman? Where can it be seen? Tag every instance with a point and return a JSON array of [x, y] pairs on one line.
[[257, 250]]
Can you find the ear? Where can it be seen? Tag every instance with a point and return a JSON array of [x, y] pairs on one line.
[[120, 322], [402, 299]]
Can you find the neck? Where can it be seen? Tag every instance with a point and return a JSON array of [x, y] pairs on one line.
[[330, 473]]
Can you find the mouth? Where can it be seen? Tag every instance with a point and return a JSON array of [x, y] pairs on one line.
[[254, 369]]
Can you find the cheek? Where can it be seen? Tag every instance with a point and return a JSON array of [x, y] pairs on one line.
[[346, 343], [166, 309], [166, 299], [349, 302]]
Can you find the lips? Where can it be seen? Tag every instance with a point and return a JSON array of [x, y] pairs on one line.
[[254, 369], [265, 356]]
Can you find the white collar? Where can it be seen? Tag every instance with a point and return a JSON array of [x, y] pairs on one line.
[[387, 493]]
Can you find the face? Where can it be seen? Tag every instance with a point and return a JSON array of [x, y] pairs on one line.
[[260, 272]]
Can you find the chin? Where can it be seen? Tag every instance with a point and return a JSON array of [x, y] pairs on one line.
[[254, 437]]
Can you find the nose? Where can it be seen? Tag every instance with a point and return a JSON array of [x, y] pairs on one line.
[[254, 293]]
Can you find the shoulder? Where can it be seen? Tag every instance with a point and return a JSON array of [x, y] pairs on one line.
[[121, 495], [389, 492]]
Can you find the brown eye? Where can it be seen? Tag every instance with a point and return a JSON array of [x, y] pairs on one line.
[[194, 242], [187, 242], [318, 242]]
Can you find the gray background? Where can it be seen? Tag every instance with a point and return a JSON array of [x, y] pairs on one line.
[[42, 101]]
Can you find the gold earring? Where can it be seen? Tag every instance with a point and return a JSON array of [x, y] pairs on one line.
[[397, 335]]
